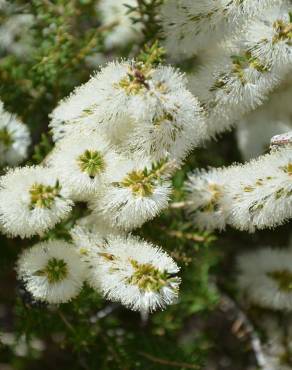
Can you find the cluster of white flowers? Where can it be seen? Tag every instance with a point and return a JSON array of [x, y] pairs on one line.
[[244, 49], [129, 270], [51, 271], [137, 108], [192, 26], [119, 138], [242, 70], [206, 198], [121, 268], [14, 139], [253, 196]]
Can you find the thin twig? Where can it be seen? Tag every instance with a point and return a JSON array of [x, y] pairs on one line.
[[242, 321], [66, 322], [167, 362], [91, 44]]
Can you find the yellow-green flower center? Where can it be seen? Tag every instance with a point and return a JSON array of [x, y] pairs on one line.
[[138, 183], [283, 278], [166, 116], [241, 62], [43, 196], [239, 65], [283, 30], [149, 278], [216, 194], [91, 162], [55, 271], [136, 79], [142, 182], [288, 169], [5, 138]]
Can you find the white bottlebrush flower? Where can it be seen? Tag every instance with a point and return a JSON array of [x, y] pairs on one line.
[[87, 234], [207, 200], [261, 194], [276, 355], [129, 99], [89, 229], [231, 84], [52, 271], [171, 128], [32, 201], [3, 4], [265, 276], [254, 196], [244, 70], [135, 273], [81, 161], [278, 341], [100, 103], [14, 34], [190, 26], [14, 139], [177, 29], [115, 14], [134, 194], [269, 37]]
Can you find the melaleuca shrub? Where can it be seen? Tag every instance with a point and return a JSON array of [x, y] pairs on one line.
[[119, 139], [116, 204]]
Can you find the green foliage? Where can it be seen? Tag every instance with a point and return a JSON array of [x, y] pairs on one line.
[[42, 149], [64, 34], [151, 55], [146, 13]]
